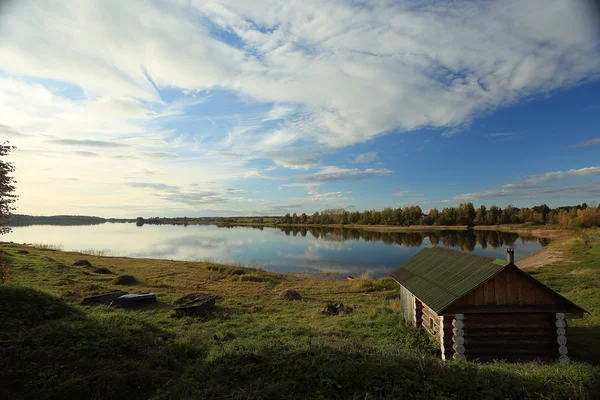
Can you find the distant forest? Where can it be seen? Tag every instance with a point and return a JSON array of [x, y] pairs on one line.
[[580, 216], [26, 220]]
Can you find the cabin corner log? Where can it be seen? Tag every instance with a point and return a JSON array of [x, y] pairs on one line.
[[561, 338]]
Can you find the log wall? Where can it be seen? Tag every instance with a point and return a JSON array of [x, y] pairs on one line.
[[521, 336]]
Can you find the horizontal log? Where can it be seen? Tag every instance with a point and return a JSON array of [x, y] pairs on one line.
[[513, 321], [494, 350], [509, 316], [471, 332], [507, 341], [516, 325]]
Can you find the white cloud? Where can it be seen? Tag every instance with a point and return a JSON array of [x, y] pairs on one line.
[[559, 175], [590, 142], [354, 72], [365, 157]]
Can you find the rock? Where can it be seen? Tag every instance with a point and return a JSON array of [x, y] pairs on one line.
[[49, 259], [103, 271], [125, 280], [22, 252], [82, 263], [289, 294], [191, 297], [336, 308]]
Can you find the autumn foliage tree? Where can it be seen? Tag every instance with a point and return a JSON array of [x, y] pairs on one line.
[[7, 199]]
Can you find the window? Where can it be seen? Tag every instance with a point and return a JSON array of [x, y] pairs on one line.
[[431, 323]]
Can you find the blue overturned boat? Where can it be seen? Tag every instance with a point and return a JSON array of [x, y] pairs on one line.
[[130, 300]]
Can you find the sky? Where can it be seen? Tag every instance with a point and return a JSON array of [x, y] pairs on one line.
[[234, 107]]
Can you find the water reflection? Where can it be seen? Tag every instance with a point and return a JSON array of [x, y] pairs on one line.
[[466, 240], [314, 249]]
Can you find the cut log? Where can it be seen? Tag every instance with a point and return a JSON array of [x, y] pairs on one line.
[[458, 332], [561, 331], [560, 315], [459, 316], [563, 350], [459, 340], [560, 323], [561, 340], [460, 357], [563, 358], [459, 348], [458, 323]]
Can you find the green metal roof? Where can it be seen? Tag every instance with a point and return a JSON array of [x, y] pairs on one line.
[[438, 276]]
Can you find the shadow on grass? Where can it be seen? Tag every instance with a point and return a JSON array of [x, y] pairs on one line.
[[49, 349], [583, 343], [323, 372]]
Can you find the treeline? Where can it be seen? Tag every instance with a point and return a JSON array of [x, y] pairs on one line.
[[465, 239], [204, 220], [26, 220], [580, 216]]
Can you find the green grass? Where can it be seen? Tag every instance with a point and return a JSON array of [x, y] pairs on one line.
[[255, 346]]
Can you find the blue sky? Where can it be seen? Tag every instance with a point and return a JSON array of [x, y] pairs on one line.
[[234, 108]]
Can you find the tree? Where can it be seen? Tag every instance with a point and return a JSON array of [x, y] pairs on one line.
[[7, 188], [7, 199]]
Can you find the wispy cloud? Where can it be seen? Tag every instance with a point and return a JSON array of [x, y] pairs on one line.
[[531, 187], [559, 175], [85, 153], [88, 143], [368, 157], [590, 142], [335, 174], [152, 186], [10, 132], [159, 154], [502, 134]]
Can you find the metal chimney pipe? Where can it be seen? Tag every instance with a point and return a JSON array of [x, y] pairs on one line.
[[510, 255]]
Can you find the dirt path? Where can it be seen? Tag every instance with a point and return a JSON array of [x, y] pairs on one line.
[[543, 258]]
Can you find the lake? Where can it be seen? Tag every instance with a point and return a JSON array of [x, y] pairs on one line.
[[343, 251]]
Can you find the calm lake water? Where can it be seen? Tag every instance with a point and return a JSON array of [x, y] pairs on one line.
[[345, 251]]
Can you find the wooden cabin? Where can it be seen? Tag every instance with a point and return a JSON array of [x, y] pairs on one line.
[[481, 308]]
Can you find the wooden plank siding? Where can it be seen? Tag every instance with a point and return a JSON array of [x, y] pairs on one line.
[[407, 305], [508, 288], [431, 322]]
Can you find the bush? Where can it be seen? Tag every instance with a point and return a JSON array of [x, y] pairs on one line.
[[254, 278]]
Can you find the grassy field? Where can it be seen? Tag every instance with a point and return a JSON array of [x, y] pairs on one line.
[[256, 346]]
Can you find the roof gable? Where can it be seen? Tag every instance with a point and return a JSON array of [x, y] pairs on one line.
[[438, 276]]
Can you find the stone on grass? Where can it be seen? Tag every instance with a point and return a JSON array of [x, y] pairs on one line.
[[22, 252], [289, 294], [103, 271], [126, 280], [82, 263], [336, 308]]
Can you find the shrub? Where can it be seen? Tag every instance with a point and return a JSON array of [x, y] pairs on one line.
[[254, 278], [126, 280]]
